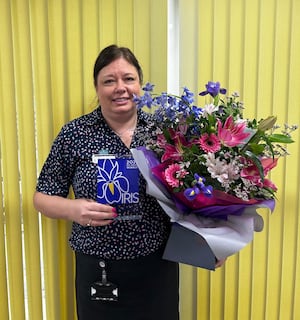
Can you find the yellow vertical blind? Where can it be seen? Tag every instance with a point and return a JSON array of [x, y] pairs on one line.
[[47, 52], [9, 148], [252, 47], [46, 60]]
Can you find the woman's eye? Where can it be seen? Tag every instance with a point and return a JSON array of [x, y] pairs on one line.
[[130, 79], [109, 81]]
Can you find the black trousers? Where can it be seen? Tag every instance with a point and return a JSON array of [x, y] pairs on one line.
[[148, 288]]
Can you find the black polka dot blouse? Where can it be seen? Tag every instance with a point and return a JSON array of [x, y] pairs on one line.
[[69, 164]]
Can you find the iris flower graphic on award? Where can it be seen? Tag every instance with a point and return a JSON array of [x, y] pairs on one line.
[[117, 181]]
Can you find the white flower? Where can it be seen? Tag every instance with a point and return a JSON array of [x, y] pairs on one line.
[[224, 172], [233, 170], [242, 194], [217, 168], [241, 121], [209, 109]]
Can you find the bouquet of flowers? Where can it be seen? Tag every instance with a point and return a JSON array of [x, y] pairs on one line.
[[213, 162]]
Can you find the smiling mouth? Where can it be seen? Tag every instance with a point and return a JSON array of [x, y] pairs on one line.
[[120, 99]]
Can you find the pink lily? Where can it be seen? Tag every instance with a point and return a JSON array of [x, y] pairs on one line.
[[172, 153], [161, 140], [178, 136], [232, 134], [251, 173]]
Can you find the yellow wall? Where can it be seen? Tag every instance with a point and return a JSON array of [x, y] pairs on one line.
[[47, 51]]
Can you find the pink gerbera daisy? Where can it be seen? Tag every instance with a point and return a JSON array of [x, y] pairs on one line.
[[209, 143], [173, 174]]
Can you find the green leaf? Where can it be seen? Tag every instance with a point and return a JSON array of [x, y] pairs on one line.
[[269, 143], [167, 135], [257, 148], [280, 138], [257, 162]]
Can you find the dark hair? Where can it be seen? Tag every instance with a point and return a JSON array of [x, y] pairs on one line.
[[112, 53]]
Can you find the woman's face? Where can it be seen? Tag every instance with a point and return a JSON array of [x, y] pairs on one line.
[[116, 84]]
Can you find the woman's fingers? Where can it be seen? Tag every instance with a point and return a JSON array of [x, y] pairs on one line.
[[93, 214]]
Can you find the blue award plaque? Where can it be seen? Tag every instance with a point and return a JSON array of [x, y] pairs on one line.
[[117, 180]]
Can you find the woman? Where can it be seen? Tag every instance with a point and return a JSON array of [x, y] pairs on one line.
[[119, 270]]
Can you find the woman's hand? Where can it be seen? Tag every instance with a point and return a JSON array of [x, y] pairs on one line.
[[83, 211], [89, 213], [219, 263]]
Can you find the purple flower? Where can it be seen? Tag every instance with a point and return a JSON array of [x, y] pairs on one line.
[[148, 87], [206, 190], [191, 193], [196, 111], [199, 187], [187, 96], [161, 100], [145, 100], [172, 101], [213, 89], [199, 180]]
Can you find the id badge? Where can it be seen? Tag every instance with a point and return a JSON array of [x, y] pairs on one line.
[[104, 290]]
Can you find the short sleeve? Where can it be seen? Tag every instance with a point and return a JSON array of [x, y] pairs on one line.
[[56, 174]]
